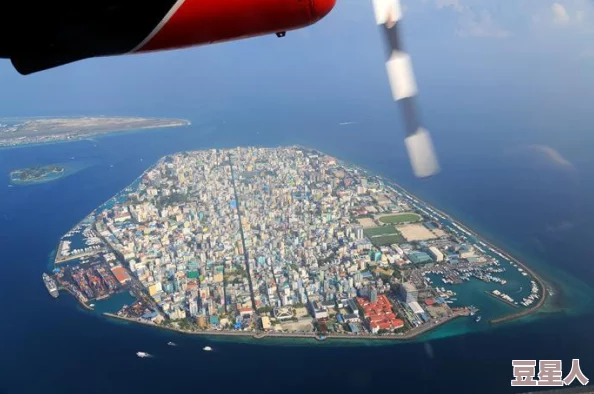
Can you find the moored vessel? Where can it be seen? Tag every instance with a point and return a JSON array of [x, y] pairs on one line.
[[50, 284]]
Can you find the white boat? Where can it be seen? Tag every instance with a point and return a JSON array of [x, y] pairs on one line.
[[172, 343], [142, 354], [207, 348]]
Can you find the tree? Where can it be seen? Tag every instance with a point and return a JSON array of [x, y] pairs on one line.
[[265, 309], [397, 274]]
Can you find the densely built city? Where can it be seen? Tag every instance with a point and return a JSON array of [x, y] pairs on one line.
[[279, 242]]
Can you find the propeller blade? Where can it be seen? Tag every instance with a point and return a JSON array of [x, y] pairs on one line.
[[388, 14]]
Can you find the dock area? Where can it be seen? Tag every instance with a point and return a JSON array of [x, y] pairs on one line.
[[502, 299]]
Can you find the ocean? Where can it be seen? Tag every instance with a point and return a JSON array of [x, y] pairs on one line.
[[507, 186]]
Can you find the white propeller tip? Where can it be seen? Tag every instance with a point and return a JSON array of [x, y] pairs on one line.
[[421, 154], [387, 11]]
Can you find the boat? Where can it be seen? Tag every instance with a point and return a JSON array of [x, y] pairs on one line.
[[172, 343], [207, 348], [478, 319], [92, 305], [50, 284], [142, 354]]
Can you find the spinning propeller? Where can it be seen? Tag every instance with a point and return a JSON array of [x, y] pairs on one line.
[[388, 15]]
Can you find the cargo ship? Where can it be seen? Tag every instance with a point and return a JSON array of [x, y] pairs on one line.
[[51, 285]]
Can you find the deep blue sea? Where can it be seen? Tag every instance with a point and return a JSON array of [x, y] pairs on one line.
[[500, 181]]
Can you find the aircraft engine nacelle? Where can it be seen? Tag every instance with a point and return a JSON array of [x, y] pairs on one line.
[[199, 22], [56, 32]]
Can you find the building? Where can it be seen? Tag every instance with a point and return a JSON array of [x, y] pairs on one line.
[[317, 310], [436, 254], [351, 318], [121, 274], [330, 304], [417, 257], [245, 311], [359, 232], [193, 306], [373, 295], [408, 292], [380, 314], [353, 306], [466, 251], [265, 321], [283, 312], [415, 307]]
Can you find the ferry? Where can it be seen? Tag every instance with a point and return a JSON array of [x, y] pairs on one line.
[[50, 284], [142, 354], [207, 348]]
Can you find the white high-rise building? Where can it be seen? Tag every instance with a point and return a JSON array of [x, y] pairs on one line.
[[193, 308]]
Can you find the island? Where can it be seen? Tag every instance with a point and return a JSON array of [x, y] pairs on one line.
[[37, 174], [50, 130], [285, 242]]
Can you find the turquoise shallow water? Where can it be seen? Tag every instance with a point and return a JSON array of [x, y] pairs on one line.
[[113, 303]]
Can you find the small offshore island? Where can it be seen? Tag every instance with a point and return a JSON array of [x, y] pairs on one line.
[[283, 242], [37, 174], [50, 130]]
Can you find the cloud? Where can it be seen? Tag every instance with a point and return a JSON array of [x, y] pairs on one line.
[[551, 154], [538, 155], [455, 4], [472, 20], [480, 24], [564, 13], [560, 15]]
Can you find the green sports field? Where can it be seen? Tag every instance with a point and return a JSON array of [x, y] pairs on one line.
[[383, 235], [400, 218]]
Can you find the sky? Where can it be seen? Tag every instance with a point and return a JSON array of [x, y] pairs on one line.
[[511, 51], [499, 80]]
